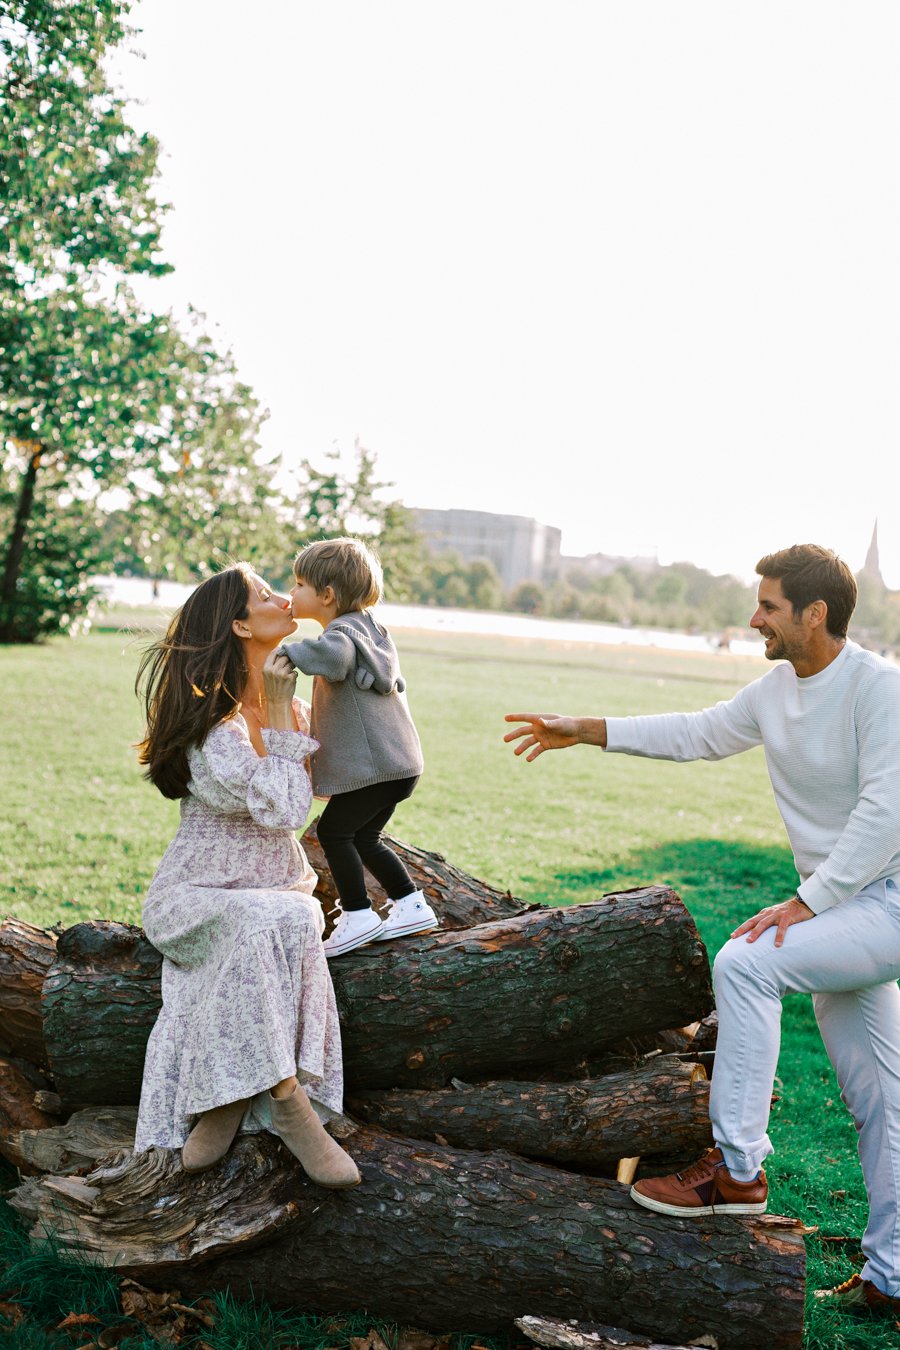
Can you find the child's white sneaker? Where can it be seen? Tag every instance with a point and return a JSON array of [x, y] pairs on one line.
[[410, 914], [354, 928]]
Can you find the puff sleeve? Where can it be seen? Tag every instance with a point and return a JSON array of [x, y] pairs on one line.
[[228, 775]]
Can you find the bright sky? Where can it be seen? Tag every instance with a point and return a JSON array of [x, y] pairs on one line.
[[631, 268]]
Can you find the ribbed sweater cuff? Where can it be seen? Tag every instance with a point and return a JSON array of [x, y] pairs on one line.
[[814, 893]]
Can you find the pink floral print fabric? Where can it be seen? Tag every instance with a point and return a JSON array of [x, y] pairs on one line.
[[247, 996]]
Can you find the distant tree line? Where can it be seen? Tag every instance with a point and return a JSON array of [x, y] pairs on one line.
[[681, 596]]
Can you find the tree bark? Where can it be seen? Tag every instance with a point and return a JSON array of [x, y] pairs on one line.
[[459, 900], [15, 550], [556, 1334], [100, 1000], [527, 996], [449, 1238], [18, 1083], [77, 1146], [26, 955], [660, 1106]]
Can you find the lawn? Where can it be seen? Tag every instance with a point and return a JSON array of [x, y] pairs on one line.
[[81, 833]]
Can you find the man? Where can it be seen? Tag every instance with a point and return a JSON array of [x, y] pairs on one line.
[[829, 721]]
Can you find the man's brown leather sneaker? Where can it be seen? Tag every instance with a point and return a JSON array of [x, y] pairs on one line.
[[706, 1187], [859, 1293]]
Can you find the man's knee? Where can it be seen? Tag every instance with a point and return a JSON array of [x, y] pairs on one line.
[[734, 962]]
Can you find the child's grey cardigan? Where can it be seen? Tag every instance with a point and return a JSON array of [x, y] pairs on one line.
[[360, 716]]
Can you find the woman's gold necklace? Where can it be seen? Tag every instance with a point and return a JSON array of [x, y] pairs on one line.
[[261, 712]]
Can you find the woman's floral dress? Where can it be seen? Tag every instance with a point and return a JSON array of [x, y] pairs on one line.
[[247, 997]]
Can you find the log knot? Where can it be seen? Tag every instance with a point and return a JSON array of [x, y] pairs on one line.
[[566, 955]]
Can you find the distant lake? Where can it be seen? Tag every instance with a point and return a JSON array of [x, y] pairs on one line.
[[139, 591]]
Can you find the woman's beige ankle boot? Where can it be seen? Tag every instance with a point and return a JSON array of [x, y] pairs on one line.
[[322, 1158], [212, 1136]]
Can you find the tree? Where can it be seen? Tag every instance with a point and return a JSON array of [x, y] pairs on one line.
[[527, 597], [485, 586], [76, 199], [333, 501], [208, 499], [670, 589], [97, 392], [403, 552]]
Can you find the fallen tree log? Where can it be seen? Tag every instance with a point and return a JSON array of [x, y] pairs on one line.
[[453, 1238], [536, 993], [539, 992], [26, 955], [661, 1106], [459, 900]]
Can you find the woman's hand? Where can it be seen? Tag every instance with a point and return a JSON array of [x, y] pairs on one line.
[[279, 681]]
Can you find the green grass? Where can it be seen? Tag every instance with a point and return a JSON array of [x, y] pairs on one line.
[[81, 833]]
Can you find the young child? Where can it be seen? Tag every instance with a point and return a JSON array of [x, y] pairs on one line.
[[369, 757]]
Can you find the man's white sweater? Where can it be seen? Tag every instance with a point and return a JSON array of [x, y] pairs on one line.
[[832, 746]]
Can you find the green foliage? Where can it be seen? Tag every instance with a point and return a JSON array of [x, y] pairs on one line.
[[680, 596], [334, 501], [445, 580], [528, 597], [67, 149], [54, 590], [331, 501], [402, 552], [206, 499], [99, 394]]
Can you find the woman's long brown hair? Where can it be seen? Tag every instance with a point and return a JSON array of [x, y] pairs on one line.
[[192, 679]]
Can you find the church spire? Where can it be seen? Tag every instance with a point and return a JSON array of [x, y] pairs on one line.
[[872, 566]]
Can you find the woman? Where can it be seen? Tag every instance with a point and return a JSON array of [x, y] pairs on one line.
[[248, 1008]]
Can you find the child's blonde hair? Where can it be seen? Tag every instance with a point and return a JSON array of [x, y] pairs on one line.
[[348, 566]]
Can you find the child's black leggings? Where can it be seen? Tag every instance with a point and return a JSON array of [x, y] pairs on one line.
[[349, 831]]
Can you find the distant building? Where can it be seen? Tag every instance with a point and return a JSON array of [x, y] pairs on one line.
[[520, 548], [872, 566]]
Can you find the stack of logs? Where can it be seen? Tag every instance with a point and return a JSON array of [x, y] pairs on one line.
[[509, 1073]]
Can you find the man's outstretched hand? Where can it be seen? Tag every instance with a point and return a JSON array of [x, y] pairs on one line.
[[780, 917], [549, 731]]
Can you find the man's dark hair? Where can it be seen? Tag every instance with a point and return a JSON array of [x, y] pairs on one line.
[[808, 572]]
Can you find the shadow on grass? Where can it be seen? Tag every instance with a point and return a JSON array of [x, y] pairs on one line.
[[696, 863], [721, 881]]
